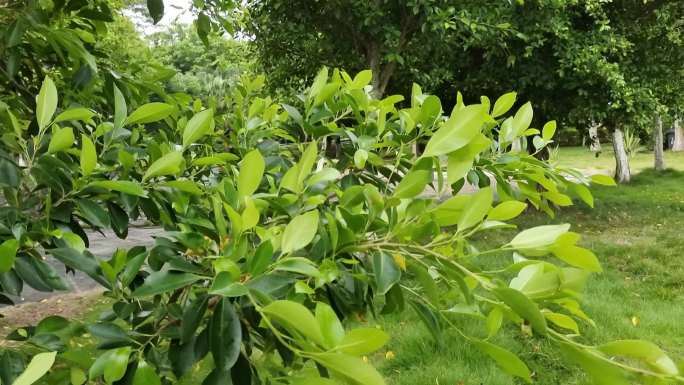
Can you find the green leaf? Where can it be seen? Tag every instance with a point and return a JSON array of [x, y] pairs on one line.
[[224, 285], [37, 368], [503, 104], [352, 368], [295, 317], [506, 210], [385, 272], [494, 321], [93, 213], [362, 341], [251, 171], [538, 237], [156, 9], [150, 112], [523, 306], [578, 257], [603, 180], [77, 376], [164, 281], [197, 127], [299, 232], [192, 317], [298, 265], [225, 335], [116, 365], [430, 110], [79, 260], [8, 251], [458, 167], [145, 375], [361, 80], [457, 131], [62, 139], [46, 103], [120, 109], [360, 158], [563, 321], [331, 327], [318, 83], [476, 209], [601, 370], [184, 185], [168, 164], [413, 183], [79, 113], [506, 360], [522, 119], [549, 130], [88, 155], [642, 350], [124, 186]]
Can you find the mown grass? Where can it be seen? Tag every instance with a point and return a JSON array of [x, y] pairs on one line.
[[582, 158], [637, 231]]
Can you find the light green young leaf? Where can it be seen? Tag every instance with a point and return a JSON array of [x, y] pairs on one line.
[[8, 252], [523, 306], [331, 327], [362, 341], [549, 130], [150, 112], [642, 350], [361, 80], [578, 257], [62, 139], [352, 368], [168, 164], [603, 180], [538, 237], [39, 365], [88, 155], [120, 109], [145, 375], [250, 215], [300, 232], [296, 317], [46, 103], [503, 104], [563, 321], [197, 127], [457, 131], [251, 171], [79, 113], [124, 186], [522, 119], [506, 210], [477, 208], [360, 158], [506, 360]]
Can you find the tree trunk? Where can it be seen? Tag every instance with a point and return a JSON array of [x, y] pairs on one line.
[[678, 144], [622, 173], [659, 163]]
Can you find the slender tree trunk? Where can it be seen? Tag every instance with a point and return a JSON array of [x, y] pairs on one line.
[[622, 173], [678, 144], [659, 163]]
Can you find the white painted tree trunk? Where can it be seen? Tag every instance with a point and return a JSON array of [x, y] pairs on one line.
[[622, 173], [678, 144], [659, 163]]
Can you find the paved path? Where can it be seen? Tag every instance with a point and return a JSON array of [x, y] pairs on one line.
[[101, 246]]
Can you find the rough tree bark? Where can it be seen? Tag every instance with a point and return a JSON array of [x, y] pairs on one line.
[[678, 144], [659, 163], [622, 173]]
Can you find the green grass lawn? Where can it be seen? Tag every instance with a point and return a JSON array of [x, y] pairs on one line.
[[637, 231], [581, 157]]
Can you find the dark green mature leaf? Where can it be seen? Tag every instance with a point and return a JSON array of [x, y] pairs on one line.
[[11, 366], [109, 335], [524, 307], [385, 272], [80, 261], [93, 213], [164, 281], [192, 316], [225, 335], [429, 318], [156, 9]]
